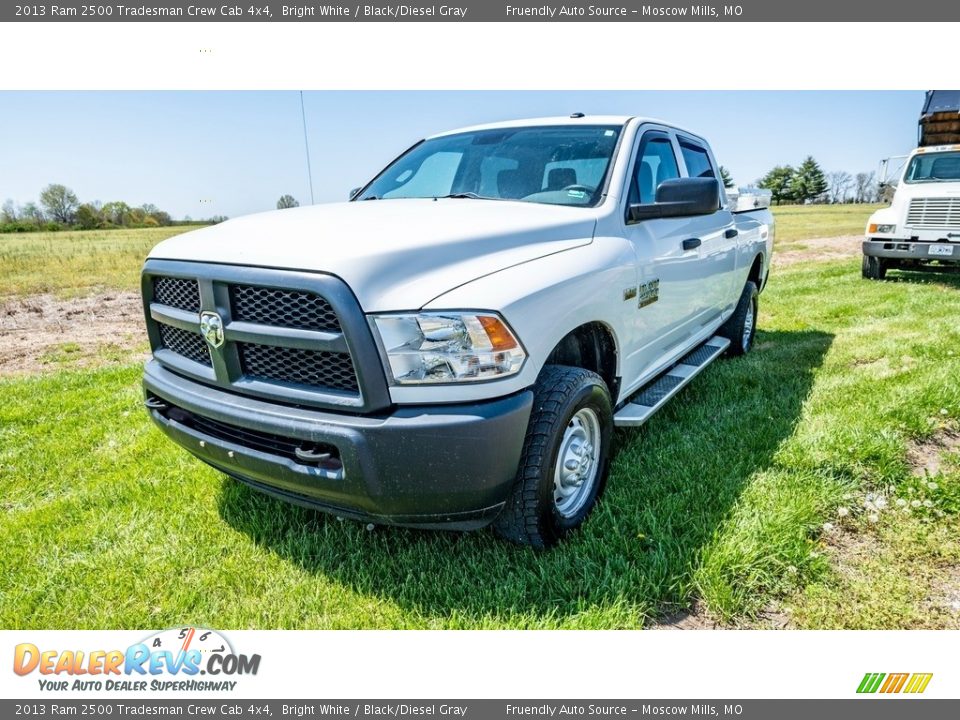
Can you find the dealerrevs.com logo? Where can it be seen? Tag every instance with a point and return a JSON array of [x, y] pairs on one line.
[[180, 659]]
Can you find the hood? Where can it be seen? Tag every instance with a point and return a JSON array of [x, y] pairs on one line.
[[394, 254], [908, 191]]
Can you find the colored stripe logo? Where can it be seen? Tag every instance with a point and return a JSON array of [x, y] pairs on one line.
[[913, 683]]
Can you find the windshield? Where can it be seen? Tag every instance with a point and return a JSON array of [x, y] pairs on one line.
[[557, 165], [933, 167]]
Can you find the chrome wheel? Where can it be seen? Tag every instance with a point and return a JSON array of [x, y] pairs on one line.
[[577, 463], [749, 320]]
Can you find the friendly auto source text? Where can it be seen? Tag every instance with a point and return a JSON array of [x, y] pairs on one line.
[[562, 11]]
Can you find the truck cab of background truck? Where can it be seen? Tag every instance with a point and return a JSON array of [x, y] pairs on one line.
[[921, 229], [453, 346]]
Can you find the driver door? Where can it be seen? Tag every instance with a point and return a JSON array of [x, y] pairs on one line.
[[664, 312]]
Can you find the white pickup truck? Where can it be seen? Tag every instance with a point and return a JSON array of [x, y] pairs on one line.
[[453, 346]]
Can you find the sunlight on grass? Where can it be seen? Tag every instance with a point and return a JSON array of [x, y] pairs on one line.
[[799, 222], [720, 499], [76, 262]]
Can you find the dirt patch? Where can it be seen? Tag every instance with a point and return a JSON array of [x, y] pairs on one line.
[[699, 618], [43, 332], [926, 458], [696, 618], [817, 250], [946, 592]]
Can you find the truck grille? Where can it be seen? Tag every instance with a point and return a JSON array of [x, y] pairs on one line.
[[190, 345], [285, 308], [934, 214], [305, 367], [284, 334], [179, 293]]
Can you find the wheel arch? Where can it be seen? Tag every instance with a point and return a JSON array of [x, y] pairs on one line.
[[592, 346], [756, 272]]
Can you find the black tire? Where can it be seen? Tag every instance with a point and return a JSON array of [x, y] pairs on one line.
[[532, 514], [741, 327], [873, 268]]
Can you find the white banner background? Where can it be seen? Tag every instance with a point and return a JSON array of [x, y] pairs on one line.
[[538, 664]]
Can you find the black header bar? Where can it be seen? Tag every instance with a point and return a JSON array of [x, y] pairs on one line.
[[852, 11]]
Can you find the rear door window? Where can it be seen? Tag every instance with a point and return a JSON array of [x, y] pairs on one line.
[[697, 160]]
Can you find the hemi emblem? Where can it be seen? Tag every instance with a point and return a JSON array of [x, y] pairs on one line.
[[211, 327]]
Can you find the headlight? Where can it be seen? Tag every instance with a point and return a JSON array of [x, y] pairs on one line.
[[448, 347], [882, 229]]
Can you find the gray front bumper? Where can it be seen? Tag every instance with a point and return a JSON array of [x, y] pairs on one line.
[[427, 466], [908, 250]]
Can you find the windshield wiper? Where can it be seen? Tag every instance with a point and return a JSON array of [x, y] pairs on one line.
[[462, 195]]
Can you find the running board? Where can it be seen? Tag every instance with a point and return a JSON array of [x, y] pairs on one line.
[[655, 394]]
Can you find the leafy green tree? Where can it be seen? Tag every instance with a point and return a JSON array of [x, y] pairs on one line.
[[287, 201], [60, 202], [9, 212], [87, 217], [725, 177], [117, 212], [808, 182], [162, 217], [778, 181], [32, 212]]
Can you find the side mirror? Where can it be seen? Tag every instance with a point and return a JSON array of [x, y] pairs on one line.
[[355, 192], [680, 197]]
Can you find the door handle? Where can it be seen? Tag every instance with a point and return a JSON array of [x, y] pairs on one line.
[[731, 233], [691, 243]]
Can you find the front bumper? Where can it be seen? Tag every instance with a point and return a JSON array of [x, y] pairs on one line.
[[448, 466], [894, 249]]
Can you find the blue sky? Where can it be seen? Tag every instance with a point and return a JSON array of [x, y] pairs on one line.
[[232, 153]]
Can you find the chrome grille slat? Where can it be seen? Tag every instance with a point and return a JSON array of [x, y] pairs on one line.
[[934, 213]]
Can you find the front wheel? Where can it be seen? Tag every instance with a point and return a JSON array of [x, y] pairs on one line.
[[740, 327], [565, 459], [873, 268]]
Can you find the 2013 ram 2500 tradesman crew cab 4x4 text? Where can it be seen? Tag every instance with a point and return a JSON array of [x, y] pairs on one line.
[[454, 345]]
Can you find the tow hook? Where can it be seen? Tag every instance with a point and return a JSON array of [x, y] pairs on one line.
[[154, 403], [311, 455]]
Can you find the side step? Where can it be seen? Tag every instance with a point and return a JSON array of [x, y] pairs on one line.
[[655, 394]]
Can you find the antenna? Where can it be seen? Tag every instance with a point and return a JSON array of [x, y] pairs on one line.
[[306, 146]]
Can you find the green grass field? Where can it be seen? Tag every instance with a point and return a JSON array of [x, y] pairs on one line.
[[720, 502], [77, 261], [801, 222]]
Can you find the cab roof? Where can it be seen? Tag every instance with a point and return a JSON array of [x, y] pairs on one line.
[[569, 120]]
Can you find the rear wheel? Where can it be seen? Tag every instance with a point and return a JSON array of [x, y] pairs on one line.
[[873, 268], [565, 460], [740, 328]]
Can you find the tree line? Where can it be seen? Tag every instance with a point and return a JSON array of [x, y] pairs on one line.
[[808, 183], [59, 208]]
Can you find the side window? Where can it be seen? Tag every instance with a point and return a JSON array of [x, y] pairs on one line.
[[656, 162], [697, 160]]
